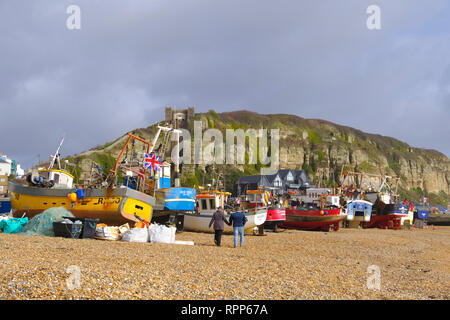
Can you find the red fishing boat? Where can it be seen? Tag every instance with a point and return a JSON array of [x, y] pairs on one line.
[[315, 209], [313, 219], [257, 198], [390, 215]]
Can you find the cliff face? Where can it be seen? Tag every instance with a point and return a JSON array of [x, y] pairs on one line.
[[322, 148]]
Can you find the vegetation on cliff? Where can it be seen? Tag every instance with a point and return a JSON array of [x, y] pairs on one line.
[[321, 148]]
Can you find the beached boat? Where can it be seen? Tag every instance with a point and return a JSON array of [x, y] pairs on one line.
[[319, 213], [208, 203], [276, 215], [111, 203], [48, 188], [313, 219], [390, 215], [357, 212], [113, 206]]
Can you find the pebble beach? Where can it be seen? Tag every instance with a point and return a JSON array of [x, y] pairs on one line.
[[291, 264]]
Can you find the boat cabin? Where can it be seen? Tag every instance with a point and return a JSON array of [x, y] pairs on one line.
[[359, 210], [385, 197], [162, 177], [320, 197], [61, 178], [210, 201], [254, 198]]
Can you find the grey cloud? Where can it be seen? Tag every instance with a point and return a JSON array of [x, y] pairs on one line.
[[130, 59]]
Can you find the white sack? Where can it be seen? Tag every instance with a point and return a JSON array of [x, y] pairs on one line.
[[161, 234], [136, 235]]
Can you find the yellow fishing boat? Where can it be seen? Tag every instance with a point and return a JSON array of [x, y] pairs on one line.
[[111, 204]]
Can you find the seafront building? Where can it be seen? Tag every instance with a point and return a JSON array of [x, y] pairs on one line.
[[282, 181], [9, 166]]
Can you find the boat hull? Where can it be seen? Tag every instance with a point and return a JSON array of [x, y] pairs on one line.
[[111, 206], [175, 199], [391, 216], [200, 222], [390, 221], [275, 217], [313, 219]]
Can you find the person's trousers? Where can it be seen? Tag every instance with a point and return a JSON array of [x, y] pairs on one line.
[[238, 231], [217, 236]]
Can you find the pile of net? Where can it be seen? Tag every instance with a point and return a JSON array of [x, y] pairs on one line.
[[42, 224]]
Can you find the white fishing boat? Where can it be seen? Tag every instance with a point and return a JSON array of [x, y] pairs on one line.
[[209, 202]]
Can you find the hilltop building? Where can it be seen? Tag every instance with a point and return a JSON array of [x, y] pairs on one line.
[[180, 118]]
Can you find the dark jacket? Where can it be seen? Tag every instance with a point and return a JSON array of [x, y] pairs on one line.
[[238, 219], [218, 218]]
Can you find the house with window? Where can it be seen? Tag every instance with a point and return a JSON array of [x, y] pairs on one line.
[[5, 167], [281, 182]]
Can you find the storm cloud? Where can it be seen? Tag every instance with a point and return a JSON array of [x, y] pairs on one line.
[[315, 59]]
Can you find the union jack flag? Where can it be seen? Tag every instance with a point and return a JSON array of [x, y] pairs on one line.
[[152, 161]]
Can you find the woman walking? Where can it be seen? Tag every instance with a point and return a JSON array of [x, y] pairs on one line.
[[218, 219]]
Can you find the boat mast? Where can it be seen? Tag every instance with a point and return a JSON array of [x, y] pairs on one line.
[[56, 156]]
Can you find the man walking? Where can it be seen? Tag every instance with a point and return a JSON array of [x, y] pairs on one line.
[[218, 219], [238, 219]]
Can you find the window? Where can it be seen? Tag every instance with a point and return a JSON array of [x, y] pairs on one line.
[[290, 177], [212, 203], [203, 204], [277, 182]]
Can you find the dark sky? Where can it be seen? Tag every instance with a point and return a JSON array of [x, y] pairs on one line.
[[315, 59]]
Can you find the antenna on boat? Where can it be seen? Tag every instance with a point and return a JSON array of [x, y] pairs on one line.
[[56, 155], [165, 129], [177, 158]]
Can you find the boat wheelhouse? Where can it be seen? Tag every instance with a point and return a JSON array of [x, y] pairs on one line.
[[209, 202]]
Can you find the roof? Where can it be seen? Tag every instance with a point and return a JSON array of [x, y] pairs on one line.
[[252, 179], [268, 179], [283, 173], [271, 177]]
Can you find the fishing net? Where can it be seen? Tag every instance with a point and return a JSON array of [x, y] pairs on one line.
[[42, 224]]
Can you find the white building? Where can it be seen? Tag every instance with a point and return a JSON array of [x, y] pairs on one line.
[[8, 166], [19, 170], [5, 167]]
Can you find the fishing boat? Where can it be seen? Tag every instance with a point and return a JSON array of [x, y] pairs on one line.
[[313, 210], [107, 201], [387, 211], [276, 214], [209, 202], [53, 187], [357, 212], [313, 219], [389, 214]]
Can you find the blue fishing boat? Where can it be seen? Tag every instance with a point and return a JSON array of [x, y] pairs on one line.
[[5, 205], [358, 211], [179, 199]]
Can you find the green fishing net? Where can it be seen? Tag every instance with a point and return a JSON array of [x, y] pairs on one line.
[[42, 224]]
